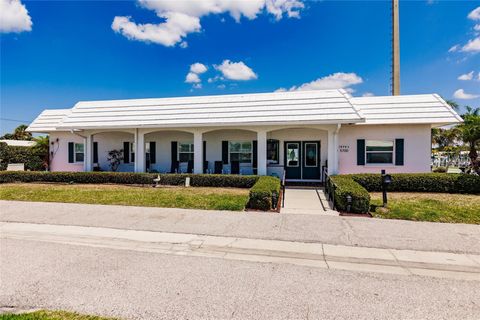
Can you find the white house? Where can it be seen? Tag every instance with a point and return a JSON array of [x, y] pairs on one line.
[[300, 132]]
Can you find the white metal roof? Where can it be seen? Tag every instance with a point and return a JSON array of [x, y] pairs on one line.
[[48, 120], [19, 143], [328, 106], [297, 107], [408, 109]]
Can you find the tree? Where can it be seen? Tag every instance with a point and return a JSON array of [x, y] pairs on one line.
[[452, 104], [114, 158], [19, 133], [469, 132], [444, 137], [42, 149]]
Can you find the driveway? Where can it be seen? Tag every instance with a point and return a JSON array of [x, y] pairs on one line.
[[328, 229]]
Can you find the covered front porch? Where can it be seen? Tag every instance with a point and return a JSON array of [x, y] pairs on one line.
[[301, 152]]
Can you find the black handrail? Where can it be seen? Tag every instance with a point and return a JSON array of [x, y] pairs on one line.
[[329, 187], [283, 189]]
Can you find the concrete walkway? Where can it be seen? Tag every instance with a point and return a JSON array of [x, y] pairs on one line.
[[317, 255], [306, 200], [350, 231]]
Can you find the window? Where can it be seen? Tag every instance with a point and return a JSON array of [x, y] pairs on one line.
[[292, 154], [240, 151], [378, 152], [310, 154], [79, 152], [272, 151], [185, 151]]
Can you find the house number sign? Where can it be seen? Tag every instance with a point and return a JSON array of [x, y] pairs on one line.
[[343, 148]]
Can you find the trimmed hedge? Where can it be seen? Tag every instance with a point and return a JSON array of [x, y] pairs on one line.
[[196, 180], [31, 157], [262, 193], [422, 182], [345, 185]]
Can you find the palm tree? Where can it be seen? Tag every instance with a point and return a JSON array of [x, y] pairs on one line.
[[452, 104], [42, 148], [19, 133], [469, 132]]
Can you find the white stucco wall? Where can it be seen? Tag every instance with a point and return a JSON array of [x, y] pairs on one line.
[[417, 147], [59, 159]]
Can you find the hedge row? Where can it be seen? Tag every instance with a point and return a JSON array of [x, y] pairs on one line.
[[263, 189], [344, 186], [264, 193], [422, 182], [31, 157]]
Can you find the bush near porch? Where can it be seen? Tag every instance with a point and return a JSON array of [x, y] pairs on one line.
[[359, 185], [262, 188]]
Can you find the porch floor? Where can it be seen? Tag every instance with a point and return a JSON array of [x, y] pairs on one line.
[[306, 200]]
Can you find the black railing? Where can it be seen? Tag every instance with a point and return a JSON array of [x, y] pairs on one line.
[[283, 189], [329, 187]]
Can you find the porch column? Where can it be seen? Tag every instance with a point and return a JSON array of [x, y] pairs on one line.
[[139, 151], [88, 155], [333, 150], [262, 153], [197, 152]]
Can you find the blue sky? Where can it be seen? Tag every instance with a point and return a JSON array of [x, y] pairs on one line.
[[73, 51]]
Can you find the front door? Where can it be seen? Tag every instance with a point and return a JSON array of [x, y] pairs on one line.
[[311, 160], [293, 161]]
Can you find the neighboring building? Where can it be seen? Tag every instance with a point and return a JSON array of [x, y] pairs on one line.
[[300, 132], [19, 143]]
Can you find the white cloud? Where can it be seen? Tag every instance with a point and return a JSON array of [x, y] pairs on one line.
[[475, 14], [182, 17], [368, 94], [466, 76], [198, 68], [14, 17], [339, 80], [169, 33], [477, 27], [221, 86], [192, 78], [461, 94], [454, 48], [236, 71], [197, 86], [472, 45]]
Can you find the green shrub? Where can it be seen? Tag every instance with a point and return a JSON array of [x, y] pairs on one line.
[[421, 182], [196, 180], [262, 193], [344, 186], [30, 156]]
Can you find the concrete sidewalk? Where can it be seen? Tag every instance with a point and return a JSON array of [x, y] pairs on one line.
[[306, 200], [317, 255], [350, 231]]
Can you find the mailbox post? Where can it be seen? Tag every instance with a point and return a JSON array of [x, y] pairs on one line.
[[386, 180]]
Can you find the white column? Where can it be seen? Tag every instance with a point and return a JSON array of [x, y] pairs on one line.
[[88, 156], [139, 151], [197, 152], [331, 151], [262, 153]]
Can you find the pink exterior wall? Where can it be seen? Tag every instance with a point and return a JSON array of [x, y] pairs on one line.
[[417, 149], [59, 160]]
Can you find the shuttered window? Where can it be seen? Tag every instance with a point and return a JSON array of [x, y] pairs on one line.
[[379, 151]]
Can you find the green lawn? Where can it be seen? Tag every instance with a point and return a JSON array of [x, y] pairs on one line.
[[50, 315], [435, 207], [167, 197]]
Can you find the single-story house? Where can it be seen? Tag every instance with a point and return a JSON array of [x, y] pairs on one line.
[[301, 132]]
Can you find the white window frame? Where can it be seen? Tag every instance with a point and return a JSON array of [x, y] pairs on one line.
[[190, 149], [305, 155], [75, 152], [299, 148], [241, 151], [379, 163]]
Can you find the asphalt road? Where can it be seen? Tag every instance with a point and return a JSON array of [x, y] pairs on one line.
[[141, 285]]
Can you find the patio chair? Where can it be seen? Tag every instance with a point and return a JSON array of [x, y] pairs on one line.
[[218, 167], [174, 168], [235, 167], [190, 166]]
